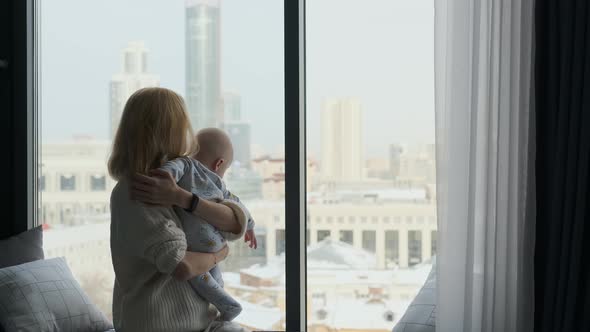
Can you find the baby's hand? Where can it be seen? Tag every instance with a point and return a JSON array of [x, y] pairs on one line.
[[251, 237]]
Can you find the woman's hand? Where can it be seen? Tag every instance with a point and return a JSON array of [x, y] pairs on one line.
[[158, 189], [221, 254], [196, 263]]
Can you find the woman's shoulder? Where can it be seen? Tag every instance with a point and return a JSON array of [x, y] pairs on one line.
[[120, 193], [125, 208], [121, 200]]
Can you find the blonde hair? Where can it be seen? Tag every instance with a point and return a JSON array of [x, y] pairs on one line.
[[154, 128]]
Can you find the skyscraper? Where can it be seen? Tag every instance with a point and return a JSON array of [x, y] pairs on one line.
[[232, 106], [238, 130], [239, 133], [133, 76], [395, 152], [203, 69], [341, 139]]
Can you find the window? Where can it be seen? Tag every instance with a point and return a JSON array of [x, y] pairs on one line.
[[414, 247], [322, 234], [363, 88], [67, 183], [226, 58], [369, 241], [98, 183], [346, 236], [370, 129], [391, 247]]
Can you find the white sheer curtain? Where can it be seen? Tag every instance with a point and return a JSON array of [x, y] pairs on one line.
[[483, 88]]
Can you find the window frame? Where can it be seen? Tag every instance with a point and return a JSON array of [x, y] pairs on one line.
[[18, 71], [295, 167], [26, 144]]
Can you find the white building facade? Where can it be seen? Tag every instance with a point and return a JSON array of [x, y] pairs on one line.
[[74, 182], [398, 233]]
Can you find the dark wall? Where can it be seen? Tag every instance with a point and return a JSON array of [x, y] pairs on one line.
[[13, 101], [562, 107]]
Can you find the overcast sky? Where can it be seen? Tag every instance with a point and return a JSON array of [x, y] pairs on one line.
[[380, 51]]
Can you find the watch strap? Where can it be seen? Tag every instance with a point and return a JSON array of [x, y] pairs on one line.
[[194, 202]]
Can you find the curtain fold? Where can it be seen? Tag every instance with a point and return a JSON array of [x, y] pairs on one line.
[[483, 58], [562, 80]]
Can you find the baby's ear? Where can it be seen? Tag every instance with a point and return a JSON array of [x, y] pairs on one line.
[[218, 163]]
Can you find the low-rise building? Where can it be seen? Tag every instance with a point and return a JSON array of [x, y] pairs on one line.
[[346, 290]]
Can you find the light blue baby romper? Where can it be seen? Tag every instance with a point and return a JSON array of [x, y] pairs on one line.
[[193, 176]]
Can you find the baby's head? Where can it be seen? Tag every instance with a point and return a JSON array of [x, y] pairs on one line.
[[215, 150]]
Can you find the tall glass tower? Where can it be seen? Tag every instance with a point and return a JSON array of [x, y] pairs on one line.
[[203, 68]]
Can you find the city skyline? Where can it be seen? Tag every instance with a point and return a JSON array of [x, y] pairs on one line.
[[258, 58], [370, 169]]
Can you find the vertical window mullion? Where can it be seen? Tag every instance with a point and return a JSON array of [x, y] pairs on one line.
[[295, 165], [23, 127]]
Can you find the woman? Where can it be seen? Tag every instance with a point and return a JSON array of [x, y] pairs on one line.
[[148, 246]]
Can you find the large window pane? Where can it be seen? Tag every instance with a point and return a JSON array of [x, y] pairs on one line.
[[226, 59], [370, 144]]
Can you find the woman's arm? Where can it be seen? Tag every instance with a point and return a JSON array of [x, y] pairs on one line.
[[219, 215], [161, 189], [196, 263], [148, 232]]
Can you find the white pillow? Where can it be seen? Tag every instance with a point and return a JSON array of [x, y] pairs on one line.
[[44, 296]]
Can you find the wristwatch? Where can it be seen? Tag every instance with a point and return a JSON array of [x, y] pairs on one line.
[[194, 202]]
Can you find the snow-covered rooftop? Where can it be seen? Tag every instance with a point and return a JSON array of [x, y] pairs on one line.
[[258, 316], [274, 269], [336, 254], [359, 314], [55, 237], [334, 262]]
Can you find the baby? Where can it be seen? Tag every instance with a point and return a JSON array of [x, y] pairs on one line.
[[203, 174]]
